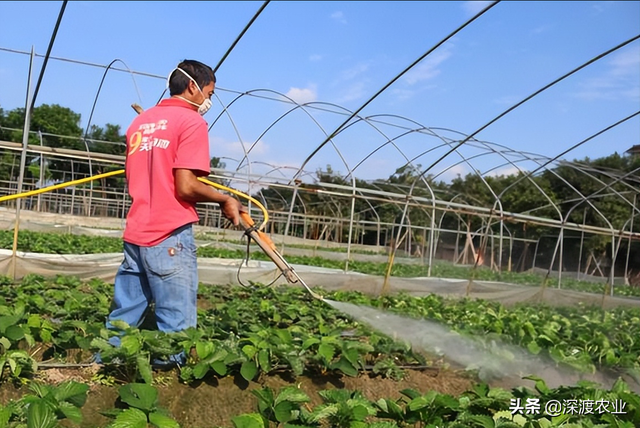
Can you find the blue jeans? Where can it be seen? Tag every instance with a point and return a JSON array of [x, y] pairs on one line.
[[166, 274]]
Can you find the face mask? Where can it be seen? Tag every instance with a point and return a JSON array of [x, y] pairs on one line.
[[206, 104]]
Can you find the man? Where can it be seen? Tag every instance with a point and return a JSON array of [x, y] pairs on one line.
[[167, 150]]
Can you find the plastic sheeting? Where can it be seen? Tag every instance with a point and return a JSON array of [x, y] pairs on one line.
[[237, 272]]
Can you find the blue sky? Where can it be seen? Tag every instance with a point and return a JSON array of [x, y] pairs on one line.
[[334, 56]]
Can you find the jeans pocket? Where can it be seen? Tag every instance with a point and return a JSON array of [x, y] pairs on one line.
[[163, 261]]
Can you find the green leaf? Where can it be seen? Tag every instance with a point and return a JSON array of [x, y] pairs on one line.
[[7, 321], [324, 412], [249, 351], [264, 361], [483, 421], [411, 393], [250, 420], [248, 370], [219, 367], [6, 343], [297, 366], [131, 344], [292, 394], [40, 415], [29, 339], [610, 357], [5, 414], [284, 411], [541, 385], [130, 418], [284, 336], [534, 348], [310, 342], [120, 325], [265, 396], [45, 335], [351, 355], [73, 392], [40, 389], [345, 367], [200, 370], [139, 395], [419, 403], [70, 411], [162, 421], [481, 389], [144, 368], [500, 394], [296, 425], [204, 349], [326, 351], [34, 321], [360, 413], [101, 344], [14, 332], [383, 425]]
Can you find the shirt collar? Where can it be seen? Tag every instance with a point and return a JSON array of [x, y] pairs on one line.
[[175, 102]]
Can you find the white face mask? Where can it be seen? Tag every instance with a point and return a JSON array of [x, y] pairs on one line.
[[206, 104]]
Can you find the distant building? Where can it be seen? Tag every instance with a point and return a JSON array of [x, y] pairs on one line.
[[634, 151]]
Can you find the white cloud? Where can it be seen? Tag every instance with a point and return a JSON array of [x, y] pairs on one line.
[[619, 82], [315, 58], [508, 100], [505, 170], [353, 72], [339, 17], [303, 95], [453, 172], [599, 6], [541, 29], [236, 149], [473, 7], [625, 63], [402, 94], [353, 92], [428, 68], [351, 83]]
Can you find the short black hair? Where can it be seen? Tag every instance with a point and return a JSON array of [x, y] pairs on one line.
[[201, 73]]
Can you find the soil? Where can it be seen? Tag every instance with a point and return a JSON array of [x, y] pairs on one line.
[[214, 401]]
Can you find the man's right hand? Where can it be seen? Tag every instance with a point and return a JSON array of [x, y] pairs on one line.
[[231, 209]]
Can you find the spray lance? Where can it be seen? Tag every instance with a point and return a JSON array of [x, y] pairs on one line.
[[269, 248], [254, 232]]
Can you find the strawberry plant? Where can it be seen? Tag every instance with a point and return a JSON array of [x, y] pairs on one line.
[[343, 408], [284, 408], [45, 406], [143, 408]]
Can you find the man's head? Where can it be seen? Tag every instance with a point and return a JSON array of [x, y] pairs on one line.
[[192, 81]]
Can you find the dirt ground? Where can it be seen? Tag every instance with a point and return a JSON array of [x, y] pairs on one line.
[[214, 401]]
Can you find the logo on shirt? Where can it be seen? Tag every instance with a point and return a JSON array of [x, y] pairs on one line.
[[143, 140]]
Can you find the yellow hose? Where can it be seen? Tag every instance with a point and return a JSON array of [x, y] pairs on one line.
[[265, 213], [59, 186], [121, 171]]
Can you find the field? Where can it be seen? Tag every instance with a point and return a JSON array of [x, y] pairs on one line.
[[275, 357]]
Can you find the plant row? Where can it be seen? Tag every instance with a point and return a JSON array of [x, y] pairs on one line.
[[481, 407], [262, 330], [239, 331]]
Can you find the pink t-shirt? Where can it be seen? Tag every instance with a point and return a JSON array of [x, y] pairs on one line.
[[168, 136]]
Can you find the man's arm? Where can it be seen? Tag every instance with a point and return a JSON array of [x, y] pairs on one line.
[[190, 189]]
